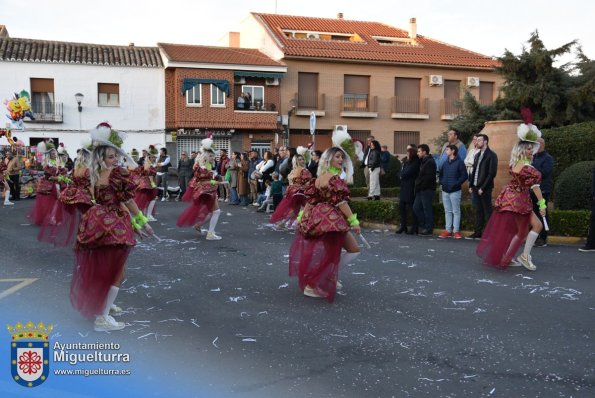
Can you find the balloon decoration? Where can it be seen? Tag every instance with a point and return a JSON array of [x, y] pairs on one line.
[[19, 107], [8, 134]]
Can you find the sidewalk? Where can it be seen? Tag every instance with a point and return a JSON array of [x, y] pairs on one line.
[[551, 239]]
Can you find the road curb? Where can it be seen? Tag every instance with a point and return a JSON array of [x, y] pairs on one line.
[[552, 240]]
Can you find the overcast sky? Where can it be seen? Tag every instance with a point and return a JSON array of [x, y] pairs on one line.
[[487, 27]]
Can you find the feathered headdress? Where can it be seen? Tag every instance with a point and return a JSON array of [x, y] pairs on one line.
[[342, 139], [527, 131], [87, 145], [152, 150], [103, 134], [207, 145], [46, 147], [62, 150], [305, 152]]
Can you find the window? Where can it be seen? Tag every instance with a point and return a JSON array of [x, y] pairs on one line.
[[260, 147], [217, 96], [361, 135], [193, 96], [108, 94], [404, 138], [356, 90], [452, 95], [407, 95], [486, 93], [308, 90], [42, 96], [256, 95]]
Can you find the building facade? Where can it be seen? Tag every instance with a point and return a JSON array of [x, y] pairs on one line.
[[369, 77], [123, 85], [230, 95]]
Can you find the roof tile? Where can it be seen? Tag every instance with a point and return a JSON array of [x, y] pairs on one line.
[[217, 55], [426, 51], [29, 50]]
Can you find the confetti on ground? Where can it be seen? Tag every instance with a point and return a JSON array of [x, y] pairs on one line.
[[216, 338], [455, 302], [249, 340], [283, 285], [172, 301], [216, 290]]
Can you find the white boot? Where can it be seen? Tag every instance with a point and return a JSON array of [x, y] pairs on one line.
[[150, 211], [7, 201], [212, 224]]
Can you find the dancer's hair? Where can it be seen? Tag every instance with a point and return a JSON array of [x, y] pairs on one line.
[[327, 156], [518, 152], [47, 158], [98, 163], [83, 160], [203, 158], [294, 162]]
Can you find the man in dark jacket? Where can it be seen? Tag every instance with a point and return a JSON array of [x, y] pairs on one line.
[[185, 165], [409, 173], [481, 183], [544, 163], [425, 188], [590, 245], [453, 174], [313, 165]]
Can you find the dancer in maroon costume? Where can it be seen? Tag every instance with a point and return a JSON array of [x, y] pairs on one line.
[[323, 230], [294, 198], [106, 232], [146, 189], [202, 197], [513, 213], [48, 185], [75, 200]]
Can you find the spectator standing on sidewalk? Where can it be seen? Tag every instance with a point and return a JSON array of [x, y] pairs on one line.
[[481, 183], [13, 170], [544, 163], [374, 168], [184, 172], [409, 173], [425, 189], [163, 172], [452, 176], [384, 159]]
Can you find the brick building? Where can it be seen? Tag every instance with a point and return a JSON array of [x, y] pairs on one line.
[[395, 84], [202, 86]]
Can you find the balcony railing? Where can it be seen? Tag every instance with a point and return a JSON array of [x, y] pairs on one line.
[[47, 112], [450, 106], [414, 105], [257, 106], [357, 103]]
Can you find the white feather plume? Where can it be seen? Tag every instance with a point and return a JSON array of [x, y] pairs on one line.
[[101, 134], [41, 147], [301, 150], [339, 136], [206, 144]]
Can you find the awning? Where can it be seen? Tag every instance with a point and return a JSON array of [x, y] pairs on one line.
[[223, 85], [245, 73]]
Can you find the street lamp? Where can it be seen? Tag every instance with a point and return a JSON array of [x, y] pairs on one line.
[[79, 99]]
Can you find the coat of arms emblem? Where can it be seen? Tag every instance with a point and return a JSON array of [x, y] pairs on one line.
[[29, 353]]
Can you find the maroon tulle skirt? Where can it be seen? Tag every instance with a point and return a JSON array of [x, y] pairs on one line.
[[64, 232], [95, 271], [187, 197], [42, 208], [198, 211], [502, 237], [315, 261], [143, 197], [289, 207]]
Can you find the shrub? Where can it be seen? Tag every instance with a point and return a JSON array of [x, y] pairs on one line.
[[573, 188], [561, 222], [562, 143], [384, 192]]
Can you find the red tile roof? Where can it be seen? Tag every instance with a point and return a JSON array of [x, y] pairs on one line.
[[427, 51], [216, 55], [29, 50]]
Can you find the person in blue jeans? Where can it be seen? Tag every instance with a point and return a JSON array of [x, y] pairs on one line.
[[453, 174], [425, 189]]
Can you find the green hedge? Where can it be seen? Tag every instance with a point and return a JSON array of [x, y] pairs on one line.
[[561, 222], [390, 179], [570, 144], [384, 192], [573, 188]]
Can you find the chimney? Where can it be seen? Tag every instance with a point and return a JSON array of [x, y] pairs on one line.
[[412, 29], [234, 39], [339, 15]]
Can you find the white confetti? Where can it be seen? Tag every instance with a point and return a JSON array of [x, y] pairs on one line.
[[412, 265], [193, 321], [372, 283], [216, 290], [338, 335], [455, 302], [491, 392], [479, 311], [236, 299], [370, 334], [172, 301], [216, 338], [263, 313], [425, 378], [171, 319], [388, 261], [228, 214], [145, 335], [468, 376], [283, 285], [491, 282], [358, 273], [249, 340]]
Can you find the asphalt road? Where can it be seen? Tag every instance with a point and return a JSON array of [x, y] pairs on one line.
[[418, 317]]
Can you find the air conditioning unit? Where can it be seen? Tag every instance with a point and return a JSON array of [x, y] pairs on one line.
[[239, 80], [435, 80], [341, 127], [271, 81], [472, 81], [313, 36]]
